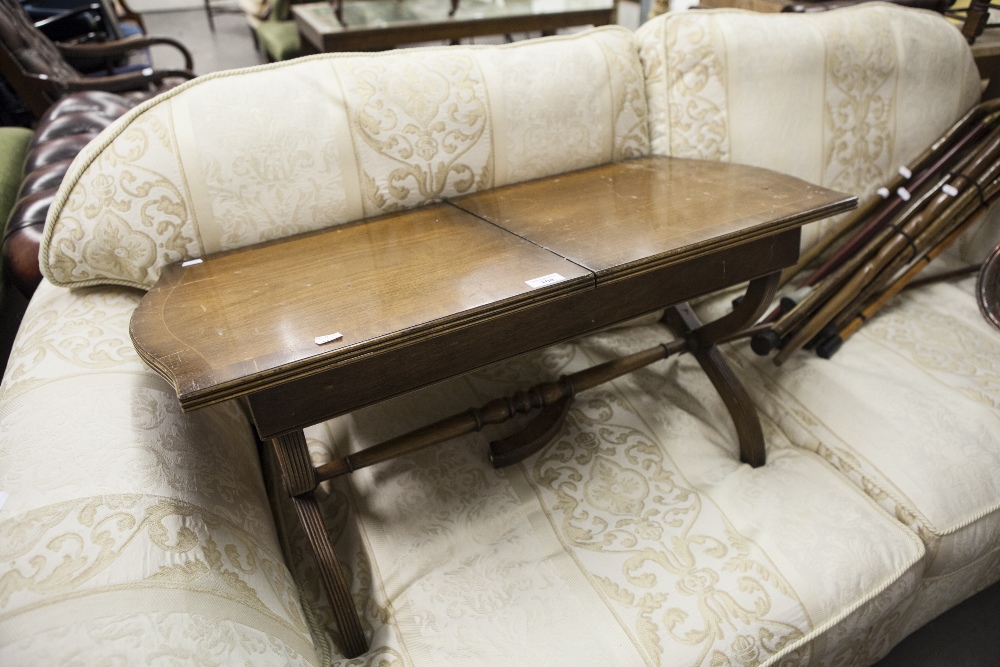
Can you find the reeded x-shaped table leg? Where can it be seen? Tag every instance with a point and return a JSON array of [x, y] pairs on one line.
[[698, 339], [702, 343]]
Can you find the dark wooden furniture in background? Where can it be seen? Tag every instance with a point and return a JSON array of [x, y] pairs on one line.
[[39, 70], [213, 7], [986, 53], [378, 25], [988, 288], [318, 325]]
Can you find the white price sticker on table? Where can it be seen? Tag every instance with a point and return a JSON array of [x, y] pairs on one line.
[[542, 281]]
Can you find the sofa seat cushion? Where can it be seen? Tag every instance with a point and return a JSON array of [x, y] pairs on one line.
[[909, 410], [131, 531], [240, 157], [840, 98], [636, 537]]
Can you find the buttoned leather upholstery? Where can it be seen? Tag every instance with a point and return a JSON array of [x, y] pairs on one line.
[[63, 131]]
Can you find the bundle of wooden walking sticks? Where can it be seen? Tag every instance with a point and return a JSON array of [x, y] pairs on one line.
[[883, 246]]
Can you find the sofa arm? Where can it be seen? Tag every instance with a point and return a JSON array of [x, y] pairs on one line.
[[131, 530]]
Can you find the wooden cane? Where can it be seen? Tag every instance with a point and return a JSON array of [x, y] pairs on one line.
[[958, 137], [944, 276], [899, 198], [900, 238], [795, 317], [967, 204], [877, 212], [829, 347], [959, 213], [810, 298], [850, 291]]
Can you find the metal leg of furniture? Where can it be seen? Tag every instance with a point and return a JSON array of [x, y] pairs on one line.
[[208, 13], [703, 339], [299, 478]]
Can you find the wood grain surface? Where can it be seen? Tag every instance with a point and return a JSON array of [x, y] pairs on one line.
[[250, 317], [422, 295], [628, 217], [370, 379]]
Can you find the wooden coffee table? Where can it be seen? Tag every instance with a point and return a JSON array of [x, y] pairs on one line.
[[318, 325], [377, 25]]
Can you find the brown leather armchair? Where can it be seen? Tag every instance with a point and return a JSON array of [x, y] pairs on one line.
[[39, 73], [63, 131]]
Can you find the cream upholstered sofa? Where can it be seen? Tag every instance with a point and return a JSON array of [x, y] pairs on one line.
[[137, 534]]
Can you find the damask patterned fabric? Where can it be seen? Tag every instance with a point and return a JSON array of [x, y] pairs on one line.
[[840, 99], [336, 138], [132, 533], [909, 410], [635, 538]]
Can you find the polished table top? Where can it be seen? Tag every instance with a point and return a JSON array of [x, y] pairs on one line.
[[628, 217], [252, 319]]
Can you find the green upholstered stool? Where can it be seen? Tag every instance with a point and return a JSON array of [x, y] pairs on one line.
[[13, 147], [14, 143], [279, 39], [277, 35]]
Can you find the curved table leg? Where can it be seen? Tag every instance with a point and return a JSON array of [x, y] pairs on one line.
[[703, 340], [760, 292], [299, 477]]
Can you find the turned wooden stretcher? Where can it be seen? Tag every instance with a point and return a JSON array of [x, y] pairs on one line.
[[318, 325]]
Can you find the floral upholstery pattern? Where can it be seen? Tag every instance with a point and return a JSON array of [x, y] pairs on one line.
[[141, 514], [136, 533], [636, 537], [832, 99], [176, 179], [908, 410]]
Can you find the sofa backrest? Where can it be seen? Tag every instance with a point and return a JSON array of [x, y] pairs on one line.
[[840, 98], [241, 157]]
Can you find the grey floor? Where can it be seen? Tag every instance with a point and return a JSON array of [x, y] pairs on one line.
[[966, 636], [231, 45]]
